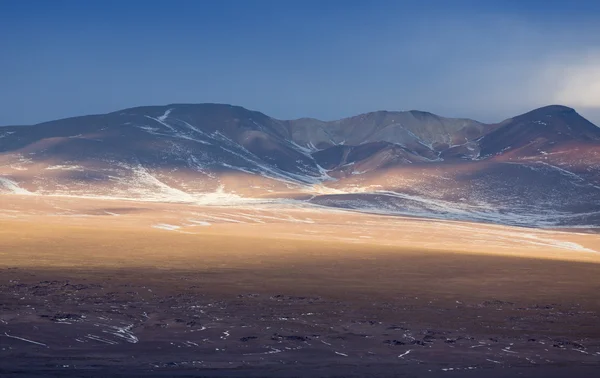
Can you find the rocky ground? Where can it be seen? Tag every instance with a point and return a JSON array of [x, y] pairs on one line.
[[99, 323]]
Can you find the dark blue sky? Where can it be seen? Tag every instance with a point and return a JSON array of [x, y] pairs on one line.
[[326, 59]]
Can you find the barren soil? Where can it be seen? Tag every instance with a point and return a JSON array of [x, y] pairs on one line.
[[106, 288]]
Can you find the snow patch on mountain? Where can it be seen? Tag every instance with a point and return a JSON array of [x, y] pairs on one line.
[[162, 122], [163, 117], [12, 187], [64, 167], [395, 203]]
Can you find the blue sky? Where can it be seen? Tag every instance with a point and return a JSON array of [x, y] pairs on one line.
[[328, 59]]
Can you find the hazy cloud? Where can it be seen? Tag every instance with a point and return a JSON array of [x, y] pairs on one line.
[[579, 83]]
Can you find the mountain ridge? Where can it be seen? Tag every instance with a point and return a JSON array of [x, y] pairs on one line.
[[549, 107], [405, 163]]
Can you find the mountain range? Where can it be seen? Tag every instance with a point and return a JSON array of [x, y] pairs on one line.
[[539, 169]]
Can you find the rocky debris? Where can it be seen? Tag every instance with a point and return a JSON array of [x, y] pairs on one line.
[[245, 339], [396, 327], [428, 338], [566, 343], [495, 303], [60, 317], [277, 336], [252, 295], [281, 297], [405, 342], [394, 342], [369, 322]]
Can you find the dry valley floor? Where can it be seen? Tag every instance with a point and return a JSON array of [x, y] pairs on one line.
[[106, 288]]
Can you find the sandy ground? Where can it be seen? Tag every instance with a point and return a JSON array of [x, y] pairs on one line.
[[92, 287]]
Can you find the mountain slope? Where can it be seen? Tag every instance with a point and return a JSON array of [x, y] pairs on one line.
[[541, 168]]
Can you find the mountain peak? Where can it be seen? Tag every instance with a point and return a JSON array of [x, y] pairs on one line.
[[551, 110], [420, 113], [539, 129]]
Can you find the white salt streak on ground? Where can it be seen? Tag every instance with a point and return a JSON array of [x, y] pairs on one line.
[[165, 226]]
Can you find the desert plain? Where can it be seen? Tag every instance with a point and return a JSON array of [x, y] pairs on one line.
[[94, 288]]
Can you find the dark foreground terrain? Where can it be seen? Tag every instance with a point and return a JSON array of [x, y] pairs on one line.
[[97, 324]]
